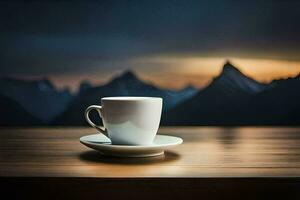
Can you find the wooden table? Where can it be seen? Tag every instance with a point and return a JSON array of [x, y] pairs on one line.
[[211, 163]]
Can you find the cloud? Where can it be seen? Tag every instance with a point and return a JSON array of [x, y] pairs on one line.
[[55, 37]]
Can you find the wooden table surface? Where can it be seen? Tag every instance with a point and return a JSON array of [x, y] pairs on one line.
[[207, 153]]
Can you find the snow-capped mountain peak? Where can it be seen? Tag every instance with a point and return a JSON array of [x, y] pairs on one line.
[[233, 78]]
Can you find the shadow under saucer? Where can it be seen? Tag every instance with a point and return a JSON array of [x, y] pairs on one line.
[[95, 156]]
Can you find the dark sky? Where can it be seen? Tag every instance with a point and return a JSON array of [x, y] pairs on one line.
[[54, 37]]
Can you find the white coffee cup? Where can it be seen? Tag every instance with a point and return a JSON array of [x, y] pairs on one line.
[[128, 120]]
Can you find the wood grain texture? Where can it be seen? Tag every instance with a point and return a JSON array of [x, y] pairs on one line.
[[206, 152]]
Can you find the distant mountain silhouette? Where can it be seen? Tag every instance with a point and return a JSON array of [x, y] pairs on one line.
[[38, 97], [280, 105], [12, 114], [231, 99], [84, 85], [209, 106], [233, 80], [126, 84]]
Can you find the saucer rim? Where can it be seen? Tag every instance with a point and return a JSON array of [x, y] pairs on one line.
[[110, 145]]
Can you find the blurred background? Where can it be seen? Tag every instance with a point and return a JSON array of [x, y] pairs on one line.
[[224, 63]]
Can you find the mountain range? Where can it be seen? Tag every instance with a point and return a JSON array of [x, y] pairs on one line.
[[232, 98], [13, 114], [37, 97], [126, 84]]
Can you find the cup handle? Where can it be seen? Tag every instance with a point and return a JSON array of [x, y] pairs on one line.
[[86, 114]]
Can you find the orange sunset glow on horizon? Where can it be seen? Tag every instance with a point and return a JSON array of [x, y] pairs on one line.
[[177, 72]]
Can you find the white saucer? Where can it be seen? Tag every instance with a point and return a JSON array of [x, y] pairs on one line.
[[103, 144]]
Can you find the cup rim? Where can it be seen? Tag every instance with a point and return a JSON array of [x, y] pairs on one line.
[[131, 98]]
